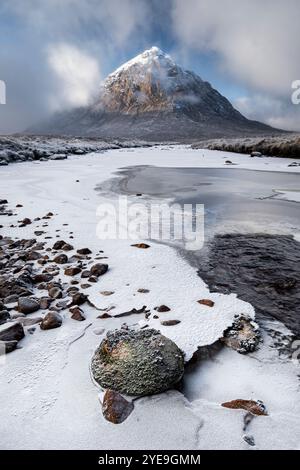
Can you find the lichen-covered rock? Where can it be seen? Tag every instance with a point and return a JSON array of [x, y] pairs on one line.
[[243, 336], [137, 362]]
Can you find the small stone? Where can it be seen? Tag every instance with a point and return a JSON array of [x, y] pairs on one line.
[[72, 271], [116, 408], [143, 291], [85, 274], [107, 292], [254, 407], [104, 316], [84, 251], [7, 347], [207, 302], [169, 322], [4, 316], [61, 259], [78, 299], [26, 221], [67, 247], [45, 303], [77, 314], [99, 269], [249, 439], [50, 321], [93, 279], [143, 246], [55, 293], [27, 305], [58, 245], [162, 308]]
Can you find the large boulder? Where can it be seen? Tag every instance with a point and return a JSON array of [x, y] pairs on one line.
[[137, 362]]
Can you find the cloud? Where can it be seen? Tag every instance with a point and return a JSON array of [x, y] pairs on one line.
[[256, 41], [77, 73]]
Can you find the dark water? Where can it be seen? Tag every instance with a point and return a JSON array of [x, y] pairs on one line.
[[244, 249]]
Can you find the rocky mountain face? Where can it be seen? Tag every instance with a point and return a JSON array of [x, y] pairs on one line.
[[151, 97]]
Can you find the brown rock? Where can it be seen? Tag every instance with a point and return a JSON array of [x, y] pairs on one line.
[[99, 269], [77, 314], [84, 251], [61, 259], [50, 321], [144, 246], [170, 322], [105, 315], [116, 408], [78, 299], [55, 293], [72, 271], [107, 292], [162, 308], [254, 407], [45, 303], [207, 302]]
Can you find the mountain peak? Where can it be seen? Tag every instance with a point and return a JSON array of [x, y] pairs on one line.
[[147, 59]]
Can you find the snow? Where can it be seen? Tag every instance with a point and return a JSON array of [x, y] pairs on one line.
[[48, 397], [288, 195]]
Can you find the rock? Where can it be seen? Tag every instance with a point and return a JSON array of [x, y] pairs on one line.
[[98, 269], [58, 245], [45, 302], [38, 233], [104, 316], [143, 246], [4, 316], [137, 362], [61, 259], [55, 293], [7, 347], [11, 332], [116, 408], [3, 202], [67, 247], [77, 314], [243, 336], [207, 302], [50, 321], [84, 251], [93, 279], [107, 292], [27, 305], [256, 154], [25, 222], [85, 274], [143, 291], [43, 277], [254, 407], [78, 299], [162, 308], [249, 439], [169, 322], [72, 271]]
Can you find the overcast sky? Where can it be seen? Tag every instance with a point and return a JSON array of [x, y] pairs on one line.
[[54, 53]]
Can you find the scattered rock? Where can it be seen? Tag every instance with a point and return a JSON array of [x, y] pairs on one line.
[[61, 259], [45, 302], [55, 293], [207, 302], [137, 362], [98, 269], [72, 271], [4, 316], [107, 292], [11, 332], [162, 308], [243, 336], [254, 407], [143, 246], [27, 305], [58, 245], [116, 408], [169, 322], [51, 320], [84, 251], [7, 347], [77, 314], [78, 299], [104, 316], [143, 291], [249, 439], [25, 222]]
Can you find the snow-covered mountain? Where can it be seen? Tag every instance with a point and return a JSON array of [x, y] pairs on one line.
[[151, 97]]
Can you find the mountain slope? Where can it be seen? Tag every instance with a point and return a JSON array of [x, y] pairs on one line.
[[151, 97]]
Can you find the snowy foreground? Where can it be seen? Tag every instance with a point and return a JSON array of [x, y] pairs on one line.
[[48, 398]]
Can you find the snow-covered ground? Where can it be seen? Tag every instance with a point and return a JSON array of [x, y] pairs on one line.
[[48, 398]]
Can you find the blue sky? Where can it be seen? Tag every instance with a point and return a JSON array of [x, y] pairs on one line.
[[54, 53]]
